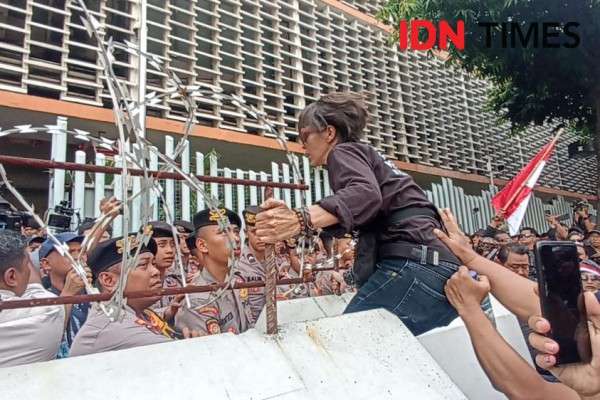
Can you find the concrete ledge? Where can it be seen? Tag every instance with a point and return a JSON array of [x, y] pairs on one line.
[[369, 355]]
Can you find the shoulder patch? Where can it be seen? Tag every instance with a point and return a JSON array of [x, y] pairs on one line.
[[208, 310], [212, 327]]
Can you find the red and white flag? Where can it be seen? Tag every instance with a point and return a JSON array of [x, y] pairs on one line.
[[513, 199]]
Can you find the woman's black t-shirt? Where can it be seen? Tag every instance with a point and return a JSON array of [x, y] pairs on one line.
[[368, 186]]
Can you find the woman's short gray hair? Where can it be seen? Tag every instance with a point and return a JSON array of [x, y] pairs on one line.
[[346, 111]]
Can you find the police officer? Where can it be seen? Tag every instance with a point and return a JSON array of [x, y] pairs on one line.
[[140, 325], [184, 229], [230, 312], [251, 263], [164, 260]]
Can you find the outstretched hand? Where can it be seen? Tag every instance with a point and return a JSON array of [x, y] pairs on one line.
[[464, 292], [455, 240], [110, 206], [74, 284], [498, 220], [174, 307]]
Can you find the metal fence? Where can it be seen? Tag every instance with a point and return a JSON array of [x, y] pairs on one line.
[[88, 189]]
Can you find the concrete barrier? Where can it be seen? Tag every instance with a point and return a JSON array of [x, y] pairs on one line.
[[318, 354], [368, 355]]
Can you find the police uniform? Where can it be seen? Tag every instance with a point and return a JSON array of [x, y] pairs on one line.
[[99, 333], [251, 269], [29, 335], [230, 312], [172, 278]]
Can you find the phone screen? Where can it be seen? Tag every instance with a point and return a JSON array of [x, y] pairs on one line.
[[561, 294]]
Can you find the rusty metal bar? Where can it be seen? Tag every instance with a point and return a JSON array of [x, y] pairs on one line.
[[88, 298], [70, 166], [270, 281]]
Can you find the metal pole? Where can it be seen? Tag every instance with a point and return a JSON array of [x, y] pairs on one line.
[[59, 154], [69, 166], [88, 298], [141, 84], [491, 171], [549, 148], [270, 281]]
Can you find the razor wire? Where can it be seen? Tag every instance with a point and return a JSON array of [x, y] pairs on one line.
[[127, 111]]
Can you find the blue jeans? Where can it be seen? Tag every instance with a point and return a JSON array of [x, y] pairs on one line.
[[412, 291]]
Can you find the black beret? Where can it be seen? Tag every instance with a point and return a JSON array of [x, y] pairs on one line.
[[160, 229], [186, 226], [250, 215], [110, 252], [209, 217], [595, 230], [36, 239]]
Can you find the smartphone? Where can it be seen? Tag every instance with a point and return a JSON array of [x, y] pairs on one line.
[[561, 296], [563, 217]]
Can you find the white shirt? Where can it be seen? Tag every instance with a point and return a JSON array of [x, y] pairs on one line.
[[29, 335]]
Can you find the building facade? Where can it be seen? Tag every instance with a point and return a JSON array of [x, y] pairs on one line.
[[278, 55]]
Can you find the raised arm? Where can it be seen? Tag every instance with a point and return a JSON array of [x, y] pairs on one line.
[[508, 372], [513, 291]]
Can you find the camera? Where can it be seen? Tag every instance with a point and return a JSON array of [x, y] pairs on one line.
[[60, 218], [10, 218]]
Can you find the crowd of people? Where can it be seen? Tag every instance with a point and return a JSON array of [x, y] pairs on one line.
[[410, 259], [33, 267], [485, 251], [517, 252]]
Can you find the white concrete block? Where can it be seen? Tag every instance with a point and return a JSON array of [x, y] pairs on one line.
[[331, 305], [295, 310], [368, 355], [306, 309]]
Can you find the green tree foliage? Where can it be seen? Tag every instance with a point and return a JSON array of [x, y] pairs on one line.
[[532, 84]]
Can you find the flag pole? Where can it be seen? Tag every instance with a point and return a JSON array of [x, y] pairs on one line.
[[549, 148], [490, 167]]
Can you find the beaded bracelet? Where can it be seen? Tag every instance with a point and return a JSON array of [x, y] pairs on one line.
[[309, 225], [306, 227], [301, 220]]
